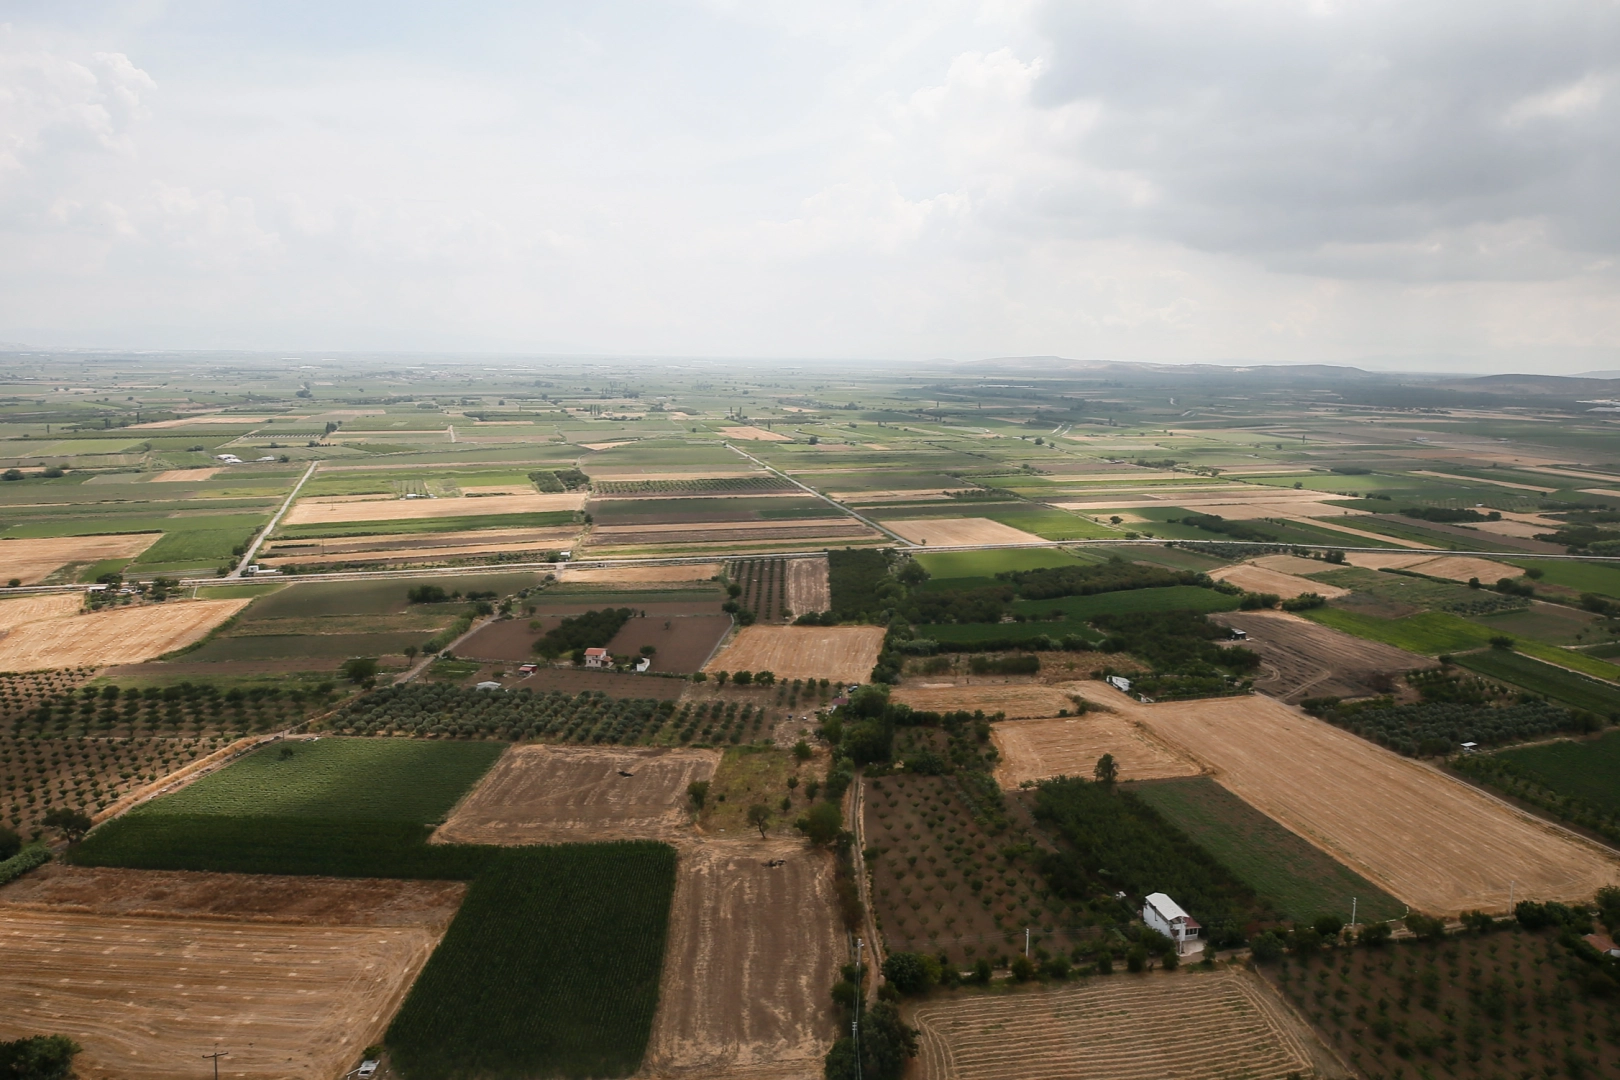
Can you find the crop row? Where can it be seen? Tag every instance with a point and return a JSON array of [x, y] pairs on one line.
[[425, 709], [764, 585], [1442, 727], [38, 775], [693, 485]]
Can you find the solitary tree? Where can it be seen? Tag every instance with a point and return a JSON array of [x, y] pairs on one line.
[[697, 791], [1107, 770], [73, 823], [759, 816]]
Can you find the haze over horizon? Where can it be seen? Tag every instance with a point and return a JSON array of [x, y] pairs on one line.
[[1423, 187]]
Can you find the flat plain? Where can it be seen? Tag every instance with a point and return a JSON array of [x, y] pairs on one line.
[[33, 560], [119, 636], [1035, 750], [839, 653]]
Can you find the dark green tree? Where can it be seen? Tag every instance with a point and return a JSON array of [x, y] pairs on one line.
[[40, 1057], [73, 823]]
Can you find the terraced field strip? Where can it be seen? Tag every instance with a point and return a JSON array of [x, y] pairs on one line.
[[1190, 1026]]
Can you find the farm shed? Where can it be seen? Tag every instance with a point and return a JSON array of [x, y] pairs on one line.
[[1164, 915]]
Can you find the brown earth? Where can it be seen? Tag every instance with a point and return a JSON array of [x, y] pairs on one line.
[[629, 574], [1434, 842], [839, 653], [27, 609], [1016, 700], [504, 639], [574, 680], [1300, 658], [120, 636], [683, 642], [178, 475], [1259, 579], [146, 995], [1070, 746], [808, 588], [475, 539], [223, 667], [1293, 564], [752, 950], [33, 560], [755, 433], [1452, 567], [950, 531], [728, 532], [564, 794], [313, 512], [1191, 1025]]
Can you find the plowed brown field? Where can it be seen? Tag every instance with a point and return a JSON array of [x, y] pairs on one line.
[[33, 560], [146, 995], [807, 586], [1070, 746], [554, 794], [752, 950], [1187, 1025], [315, 512], [1434, 842], [839, 653], [1301, 659], [121, 636], [629, 574], [757, 434]]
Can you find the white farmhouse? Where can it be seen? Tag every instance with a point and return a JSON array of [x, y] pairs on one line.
[[1164, 915], [598, 658]]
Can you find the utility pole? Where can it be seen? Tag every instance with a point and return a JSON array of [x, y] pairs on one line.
[[216, 1055]]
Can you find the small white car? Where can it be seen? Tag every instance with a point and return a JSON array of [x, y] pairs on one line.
[[367, 1068]]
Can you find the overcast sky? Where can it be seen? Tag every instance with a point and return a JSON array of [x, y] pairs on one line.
[[1428, 184]]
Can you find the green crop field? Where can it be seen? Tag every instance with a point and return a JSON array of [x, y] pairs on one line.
[[1568, 687], [1299, 878], [954, 566], [551, 968], [356, 779], [979, 633], [1428, 633], [1586, 770], [1595, 577], [1594, 666], [1130, 601]]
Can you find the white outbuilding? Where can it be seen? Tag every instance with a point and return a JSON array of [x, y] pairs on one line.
[[1165, 915]]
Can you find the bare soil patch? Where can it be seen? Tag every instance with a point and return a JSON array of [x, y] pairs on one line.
[[27, 609], [1301, 658], [121, 636], [1293, 564], [1016, 701], [1434, 842], [1191, 1025], [808, 588], [554, 794], [752, 950], [1453, 567], [754, 433], [1070, 746], [631, 574], [1261, 580], [179, 475], [839, 653], [966, 531], [725, 532], [683, 643], [33, 560], [311, 512], [143, 993]]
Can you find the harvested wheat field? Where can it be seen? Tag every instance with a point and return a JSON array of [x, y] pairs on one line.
[[1220, 1025], [807, 586], [1293, 564], [27, 609], [122, 636], [173, 476], [1452, 567], [33, 560], [1434, 842], [839, 653], [1259, 579], [946, 532], [1300, 658], [1070, 746], [555, 794], [1015, 701], [752, 950], [632, 574], [145, 994], [755, 434], [318, 512]]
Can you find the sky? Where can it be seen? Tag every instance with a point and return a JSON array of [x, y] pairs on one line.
[[1400, 184]]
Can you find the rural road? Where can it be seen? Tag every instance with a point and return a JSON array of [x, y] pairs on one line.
[[834, 503], [253, 548]]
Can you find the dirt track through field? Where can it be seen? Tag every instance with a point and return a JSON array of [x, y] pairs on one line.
[[147, 994], [1434, 842], [807, 586], [1190, 1026], [120, 636], [1070, 746], [1300, 659], [568, 794], [33, 560], [313, 512], [752, 951], [839, 653]]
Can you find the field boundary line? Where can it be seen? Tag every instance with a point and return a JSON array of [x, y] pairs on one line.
[[264, 533], [834, 503], [187, 774]]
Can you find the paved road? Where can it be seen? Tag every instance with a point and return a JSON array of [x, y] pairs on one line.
[[834, 503], [253, 548]]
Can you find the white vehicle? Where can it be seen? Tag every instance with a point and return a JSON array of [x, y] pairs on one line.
[[367, 1068]]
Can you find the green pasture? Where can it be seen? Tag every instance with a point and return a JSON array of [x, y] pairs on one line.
[[1131, 601], [1550, 623], [950, 566], [1593, 577], [1559, 684], [409, 780], [1298, 878], [1587, 769], [306, 646], [976, 633], [1428, 633], [302, 599]]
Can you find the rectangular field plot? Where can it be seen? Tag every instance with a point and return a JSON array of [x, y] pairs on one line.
[[1301, 659], [841, 653], [1432, 841], [752, 949], [33, 560], [1587, 770], [1561, 685], [1299, 878], [142, 993], [313, 511], [1191, 1026], [552, 794], [406, 780], [946, 532], [120, 636], [1070, 746], [1014, 701]]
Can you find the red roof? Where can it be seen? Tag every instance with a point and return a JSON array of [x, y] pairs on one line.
[[596, 652]]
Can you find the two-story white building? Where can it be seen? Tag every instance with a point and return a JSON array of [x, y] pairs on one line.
[[1164, 915]]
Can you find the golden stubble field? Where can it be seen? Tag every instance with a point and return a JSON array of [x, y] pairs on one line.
[[316, 511], [294, 976], [33, 560], [808, 588], [1260, 579], [944, 532], [1436, 843], [1070, 745], [126, 635], [839, 653]]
